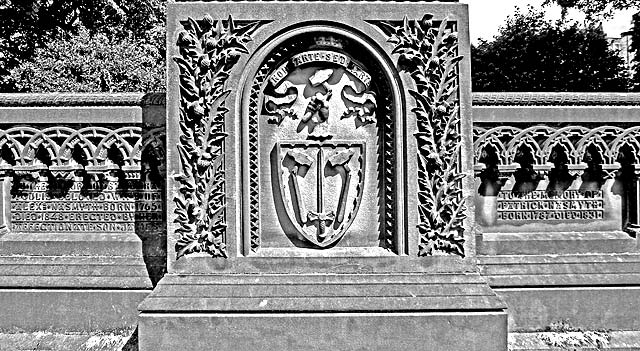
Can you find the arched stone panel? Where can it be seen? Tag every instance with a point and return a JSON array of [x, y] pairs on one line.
[[321, 90]]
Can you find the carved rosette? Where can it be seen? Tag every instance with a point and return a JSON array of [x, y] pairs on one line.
[[208, 51], [430, 55]]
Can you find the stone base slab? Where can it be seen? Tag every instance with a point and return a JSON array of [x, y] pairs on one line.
[[591, 308], [446, 311], [71, 281], [594, 291], [68, 310], [324, 331]]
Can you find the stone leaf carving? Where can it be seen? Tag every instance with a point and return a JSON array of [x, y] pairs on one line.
[[429, 54], [209, 49]]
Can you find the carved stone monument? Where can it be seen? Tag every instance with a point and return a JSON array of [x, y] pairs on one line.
[[320, 187]]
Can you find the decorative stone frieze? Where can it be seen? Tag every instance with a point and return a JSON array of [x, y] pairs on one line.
[[62, 179]]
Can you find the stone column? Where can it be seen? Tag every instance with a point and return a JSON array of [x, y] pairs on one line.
[[543, 174], [507, 176], [576, 171]]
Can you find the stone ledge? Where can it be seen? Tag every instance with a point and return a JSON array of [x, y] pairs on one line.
[[71, 244], [246, 293], [561, 270], [81, 99], [555, 99], [558, 243]]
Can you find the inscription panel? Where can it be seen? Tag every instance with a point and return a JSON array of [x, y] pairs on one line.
[[134, 210], [570, 205], [595, 209]]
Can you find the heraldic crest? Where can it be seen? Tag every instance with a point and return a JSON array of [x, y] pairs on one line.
[[319, 100]]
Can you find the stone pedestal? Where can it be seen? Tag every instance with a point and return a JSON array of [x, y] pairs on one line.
[[321, 183]]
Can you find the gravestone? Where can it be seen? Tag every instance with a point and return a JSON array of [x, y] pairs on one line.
[[320, 181]]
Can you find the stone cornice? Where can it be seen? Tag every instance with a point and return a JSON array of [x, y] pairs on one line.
[[81, 99], [479, 99], [556, 99]]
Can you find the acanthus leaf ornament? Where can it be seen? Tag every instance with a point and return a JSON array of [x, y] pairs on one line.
[[209, 49], [429, 55]]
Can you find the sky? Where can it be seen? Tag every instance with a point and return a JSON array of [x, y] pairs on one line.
[[486, 16]]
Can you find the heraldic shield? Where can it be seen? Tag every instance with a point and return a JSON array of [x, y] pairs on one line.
[[321, 185]]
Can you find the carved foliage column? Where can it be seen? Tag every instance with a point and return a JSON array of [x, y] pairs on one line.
[[428, 51], [208, 50]]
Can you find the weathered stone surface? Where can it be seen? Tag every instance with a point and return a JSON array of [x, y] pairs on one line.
[[536, 243], [611, 308], [595, 291], [326, 331], [323, 189], [60, 309]]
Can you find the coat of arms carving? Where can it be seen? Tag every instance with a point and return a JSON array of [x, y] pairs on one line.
[[319, 102]]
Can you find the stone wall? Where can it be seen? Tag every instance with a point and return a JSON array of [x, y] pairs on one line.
[[557, 206], [82, 235], [557, 180]]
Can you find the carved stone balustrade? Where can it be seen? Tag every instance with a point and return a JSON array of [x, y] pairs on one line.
[[81, 208], [558, 205]]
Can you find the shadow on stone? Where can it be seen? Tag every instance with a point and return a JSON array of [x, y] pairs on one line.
[[132, 343]]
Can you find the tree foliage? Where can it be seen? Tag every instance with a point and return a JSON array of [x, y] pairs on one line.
[[92, 63], [31, 30], [531, 53], [597, 8]]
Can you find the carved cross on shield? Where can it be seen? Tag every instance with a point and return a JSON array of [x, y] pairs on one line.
[[321, 187]]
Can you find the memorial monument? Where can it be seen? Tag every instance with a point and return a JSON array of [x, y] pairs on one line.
[[324, 188], [320, 181]]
